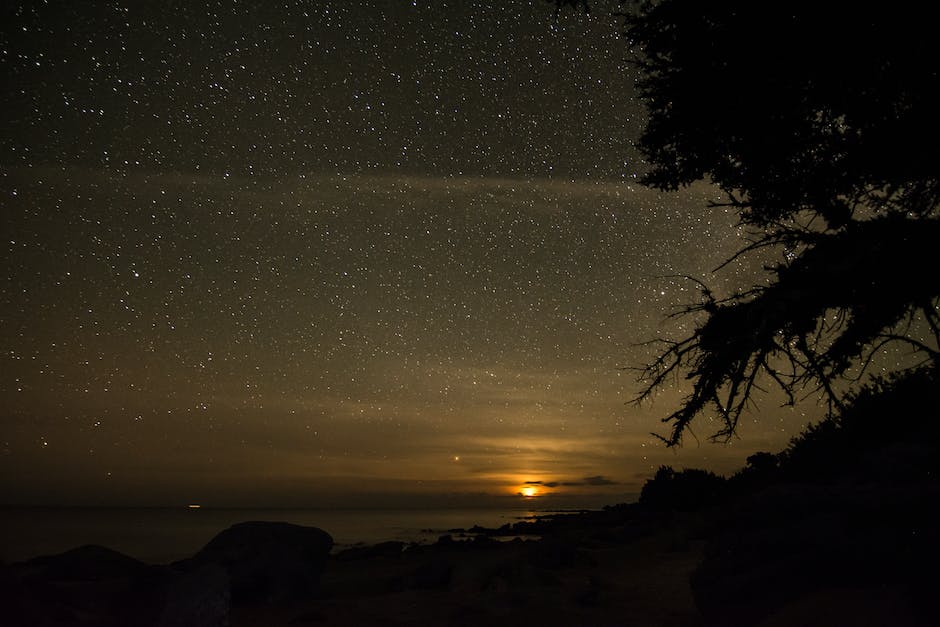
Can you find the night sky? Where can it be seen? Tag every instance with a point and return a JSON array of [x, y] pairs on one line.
[[328, 253]]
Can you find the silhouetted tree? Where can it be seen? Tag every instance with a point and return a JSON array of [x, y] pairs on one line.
[[820, 124]]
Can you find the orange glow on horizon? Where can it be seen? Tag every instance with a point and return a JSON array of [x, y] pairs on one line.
[[529, 491]]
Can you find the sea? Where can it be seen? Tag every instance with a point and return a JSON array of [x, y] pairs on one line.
[[163, 535]]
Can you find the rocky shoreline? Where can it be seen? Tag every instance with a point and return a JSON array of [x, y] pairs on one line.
[[783, 554], [276, 573]]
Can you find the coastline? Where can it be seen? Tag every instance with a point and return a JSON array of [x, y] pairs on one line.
[[593, 567], [772, 555], [161, 535]]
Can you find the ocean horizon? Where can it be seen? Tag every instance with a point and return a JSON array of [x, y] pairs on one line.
[[161, 535]]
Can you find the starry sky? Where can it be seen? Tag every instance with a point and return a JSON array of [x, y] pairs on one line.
[[333, 253]]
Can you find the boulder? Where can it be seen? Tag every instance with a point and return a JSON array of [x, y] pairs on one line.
[[86, 563], [266, 562], [198, 598], [90, 585]]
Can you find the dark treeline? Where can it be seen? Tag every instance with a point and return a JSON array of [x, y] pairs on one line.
[[851, 504]]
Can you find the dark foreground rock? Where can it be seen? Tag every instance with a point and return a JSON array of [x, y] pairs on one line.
[[90, 585], [199, 598], [85, 563], [257, 562], [579, 574], [267, 562]]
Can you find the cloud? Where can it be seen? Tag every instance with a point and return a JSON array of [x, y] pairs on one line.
[[599, 480], [547, 484], [596, 480]]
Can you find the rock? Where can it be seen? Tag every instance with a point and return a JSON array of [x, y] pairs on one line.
[[392, 548], [199, 598], [86, 563], [26, 603], [267, 562], [485, 542], [90, 585]]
